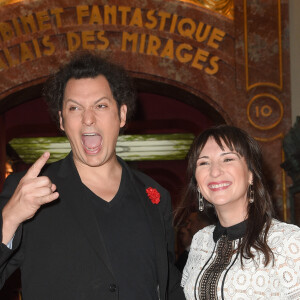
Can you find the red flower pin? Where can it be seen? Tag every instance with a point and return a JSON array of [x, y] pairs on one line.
[[153, 195]]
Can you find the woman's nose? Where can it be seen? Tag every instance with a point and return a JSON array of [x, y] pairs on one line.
[[215, 170]]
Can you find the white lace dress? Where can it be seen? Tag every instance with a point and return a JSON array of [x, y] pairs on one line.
[[280, 280]]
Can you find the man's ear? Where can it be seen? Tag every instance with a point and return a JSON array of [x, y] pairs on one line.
[[123, 113], [61, 121]]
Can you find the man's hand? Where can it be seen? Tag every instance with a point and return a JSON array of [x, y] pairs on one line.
[[31, 193]]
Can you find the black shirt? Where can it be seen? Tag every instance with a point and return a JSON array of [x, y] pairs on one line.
[[129, 242]]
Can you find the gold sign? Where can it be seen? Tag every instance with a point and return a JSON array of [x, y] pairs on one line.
[[142, 31], [265, 111]]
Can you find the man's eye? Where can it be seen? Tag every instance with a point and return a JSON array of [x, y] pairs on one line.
[[101, 106], [72, 108]]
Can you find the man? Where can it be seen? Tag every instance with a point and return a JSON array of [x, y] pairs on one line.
[[88, 227]]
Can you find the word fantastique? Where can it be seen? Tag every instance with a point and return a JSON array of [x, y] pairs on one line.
[[149, 32]]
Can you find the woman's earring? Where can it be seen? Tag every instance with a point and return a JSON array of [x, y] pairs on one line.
[[200, 199], [251, 193]]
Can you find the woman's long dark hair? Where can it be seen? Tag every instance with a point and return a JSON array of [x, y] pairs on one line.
[[260, 212]]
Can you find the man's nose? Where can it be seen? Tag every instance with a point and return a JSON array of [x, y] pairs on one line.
[[88, 117]]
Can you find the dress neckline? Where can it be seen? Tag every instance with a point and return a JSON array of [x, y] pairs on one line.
[[234, 232]]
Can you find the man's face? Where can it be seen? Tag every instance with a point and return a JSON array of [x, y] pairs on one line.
[[91, 120]]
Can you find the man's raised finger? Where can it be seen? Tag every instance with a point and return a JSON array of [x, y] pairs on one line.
[[36, 168], [49, 198]]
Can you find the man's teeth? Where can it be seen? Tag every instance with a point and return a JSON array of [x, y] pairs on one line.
[[215, 186], [89, 134]]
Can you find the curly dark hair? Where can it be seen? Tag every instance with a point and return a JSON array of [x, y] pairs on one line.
[[260, 212], [90, 65]]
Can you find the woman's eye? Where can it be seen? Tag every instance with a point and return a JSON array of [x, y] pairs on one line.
[[202, 163], [228, 159]]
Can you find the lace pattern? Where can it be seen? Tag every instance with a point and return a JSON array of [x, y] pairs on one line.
[[280, 280]]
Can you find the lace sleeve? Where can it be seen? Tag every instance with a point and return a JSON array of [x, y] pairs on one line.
[[289, 263], [201, 243], [186, 269]]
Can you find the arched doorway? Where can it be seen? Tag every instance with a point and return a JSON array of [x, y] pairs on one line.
[[214, 63], [216, 53], [162, 109]]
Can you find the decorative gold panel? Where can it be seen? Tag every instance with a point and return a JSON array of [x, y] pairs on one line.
[[264, 55], [6, 2], [224, 7]]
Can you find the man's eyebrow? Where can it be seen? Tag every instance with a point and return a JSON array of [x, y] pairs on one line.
[[102, 98], [98, 100], [71, 100]]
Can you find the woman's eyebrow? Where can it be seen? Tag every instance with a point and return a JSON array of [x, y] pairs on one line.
[[204, 156], [231, 152]]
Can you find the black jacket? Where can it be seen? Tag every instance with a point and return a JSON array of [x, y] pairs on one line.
[[61, 252]]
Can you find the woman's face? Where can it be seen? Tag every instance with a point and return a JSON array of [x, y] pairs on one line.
[[223, 178]]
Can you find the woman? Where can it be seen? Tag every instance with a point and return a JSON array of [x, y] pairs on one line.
[[248, 254]]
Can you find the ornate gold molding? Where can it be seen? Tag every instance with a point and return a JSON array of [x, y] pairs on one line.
[[249, 85], [6, 2], [274, 124], [270, 139], [224, 7]]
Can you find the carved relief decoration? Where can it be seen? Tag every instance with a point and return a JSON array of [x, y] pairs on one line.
[[224, 7]]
